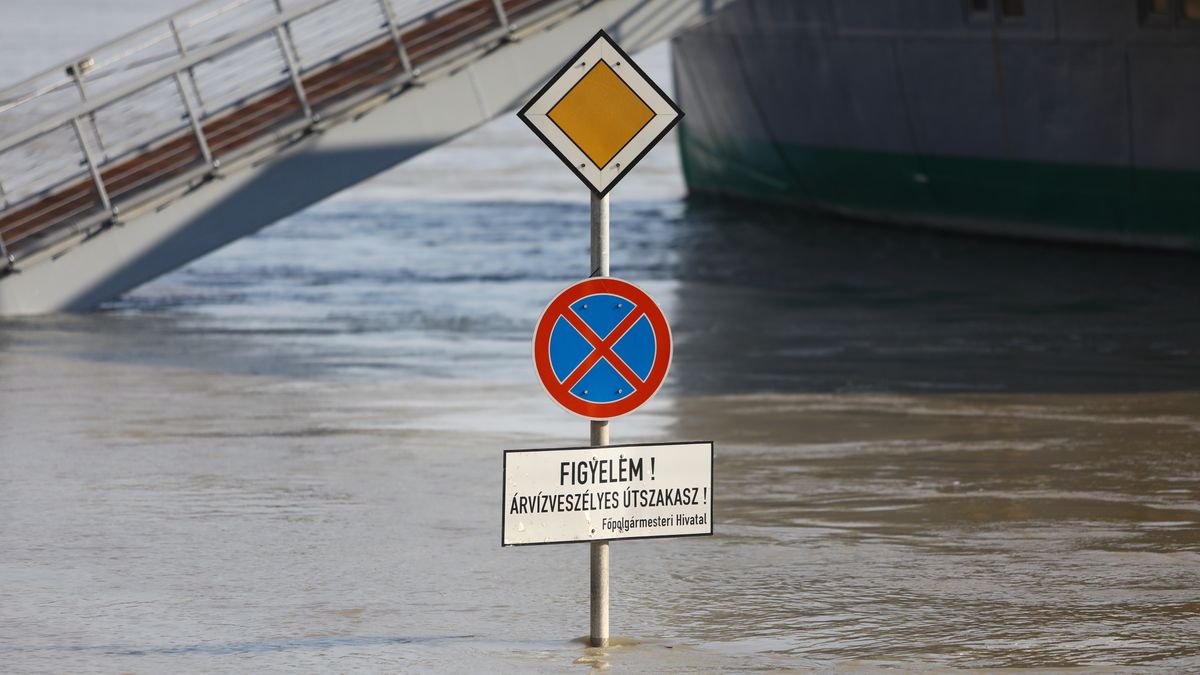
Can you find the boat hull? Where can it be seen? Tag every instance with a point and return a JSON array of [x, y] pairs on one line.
[[790, 102]]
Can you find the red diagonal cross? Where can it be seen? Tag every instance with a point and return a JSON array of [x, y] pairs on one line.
[[603, 348]]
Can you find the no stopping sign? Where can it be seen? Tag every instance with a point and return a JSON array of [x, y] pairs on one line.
[[602, 348]]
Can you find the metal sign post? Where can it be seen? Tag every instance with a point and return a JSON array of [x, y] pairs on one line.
[[599, 435], [599, 635], [600, 114]]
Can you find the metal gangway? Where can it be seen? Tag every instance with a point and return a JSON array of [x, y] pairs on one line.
[[179, 137]]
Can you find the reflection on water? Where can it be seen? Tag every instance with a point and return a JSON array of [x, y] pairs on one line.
[[969, 530], [793, 303], [931, 451]]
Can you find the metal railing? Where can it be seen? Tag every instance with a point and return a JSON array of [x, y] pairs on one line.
[[162, 106]]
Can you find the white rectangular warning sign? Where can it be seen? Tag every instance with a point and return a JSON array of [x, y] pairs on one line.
[[610, 492]]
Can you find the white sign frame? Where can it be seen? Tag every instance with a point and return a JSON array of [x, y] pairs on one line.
[[544, 476], [536, 113]]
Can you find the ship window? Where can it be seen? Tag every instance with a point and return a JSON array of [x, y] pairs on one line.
[[1012, 9], [979, 9]]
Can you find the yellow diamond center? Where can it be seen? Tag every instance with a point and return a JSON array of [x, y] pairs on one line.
[[601, 114]]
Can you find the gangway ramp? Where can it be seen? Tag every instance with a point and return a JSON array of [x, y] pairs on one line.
[[158, 147]]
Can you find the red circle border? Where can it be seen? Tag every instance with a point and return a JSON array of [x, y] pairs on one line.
[[561, 304]]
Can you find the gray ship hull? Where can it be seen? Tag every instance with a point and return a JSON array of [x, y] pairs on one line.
[[1076, 119]]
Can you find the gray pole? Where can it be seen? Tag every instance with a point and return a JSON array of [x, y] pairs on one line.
[[599, 563], [599, 236], [599, 431]]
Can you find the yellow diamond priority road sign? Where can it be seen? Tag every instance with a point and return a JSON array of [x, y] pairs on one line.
[[601, 114]]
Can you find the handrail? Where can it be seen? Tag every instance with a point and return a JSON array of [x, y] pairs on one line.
[[193, 58], [137, 142], [12, 95], [7, 103]]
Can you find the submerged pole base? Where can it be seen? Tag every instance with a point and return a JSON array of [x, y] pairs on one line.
[[599, 635]]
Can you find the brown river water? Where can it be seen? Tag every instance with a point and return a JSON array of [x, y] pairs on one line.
[[932, 452], [258, 466]]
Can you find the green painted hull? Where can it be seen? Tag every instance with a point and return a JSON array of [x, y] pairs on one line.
[[1063, 119], [1021, 198]]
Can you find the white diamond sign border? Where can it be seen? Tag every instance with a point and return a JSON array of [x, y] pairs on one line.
[[536, 113]]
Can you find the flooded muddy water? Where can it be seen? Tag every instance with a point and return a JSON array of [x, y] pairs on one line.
[[287, 455]]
